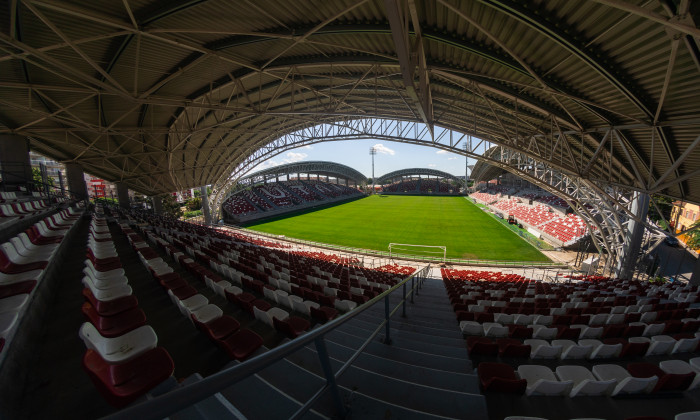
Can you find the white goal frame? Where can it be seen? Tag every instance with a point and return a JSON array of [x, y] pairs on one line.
[[443, 248]]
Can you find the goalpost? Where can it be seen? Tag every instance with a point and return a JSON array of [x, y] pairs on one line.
[[422, 248]]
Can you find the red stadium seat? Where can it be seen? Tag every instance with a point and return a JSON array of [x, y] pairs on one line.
[[481, 346], [122, 384], [667, 381], [112, 307], [323, 313], [292, 327], [240, 345], [519, 331], [21, 287], [500, 377], [116, 325], [509, 347]]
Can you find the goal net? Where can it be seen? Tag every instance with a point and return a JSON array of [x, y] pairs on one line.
[[431, 251]]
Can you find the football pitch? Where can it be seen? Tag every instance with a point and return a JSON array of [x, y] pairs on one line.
[[375, 221]]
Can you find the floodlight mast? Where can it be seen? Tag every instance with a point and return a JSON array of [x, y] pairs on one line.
[[372, 152], [467, 149]]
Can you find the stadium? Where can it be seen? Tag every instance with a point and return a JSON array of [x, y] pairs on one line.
[[546, 281]]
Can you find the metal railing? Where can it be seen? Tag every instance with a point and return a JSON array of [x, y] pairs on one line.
[[180, 398]]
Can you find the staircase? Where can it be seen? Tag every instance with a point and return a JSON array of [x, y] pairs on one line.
[[315, 190], [263, 198], [296, 199], [424, 374]]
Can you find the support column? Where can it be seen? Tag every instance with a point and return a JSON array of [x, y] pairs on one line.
[[157, 204], [123, 195], [635, 231], [14, 159], [76, 181], [205, 205]]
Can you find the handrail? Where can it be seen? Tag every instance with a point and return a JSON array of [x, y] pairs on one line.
[[180, 398]]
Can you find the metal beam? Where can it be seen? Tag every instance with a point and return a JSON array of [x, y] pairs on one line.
[[671, 23], [398, 21]]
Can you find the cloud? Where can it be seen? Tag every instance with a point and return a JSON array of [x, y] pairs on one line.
[[431, 165], [307, 147], [380, 148], [442, 152], [294, 157], [452, 158], [291, 157], [267, 164]]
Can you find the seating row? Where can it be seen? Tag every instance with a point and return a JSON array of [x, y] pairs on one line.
[[584, 348], [601, 380], [122, 357], [24, 260]]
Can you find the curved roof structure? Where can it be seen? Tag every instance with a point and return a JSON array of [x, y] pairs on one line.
[[164, 95], [416, 171], [311, 167], [483, 171]]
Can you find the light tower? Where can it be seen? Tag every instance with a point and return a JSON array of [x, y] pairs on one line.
[[372, 152], [467, 150]]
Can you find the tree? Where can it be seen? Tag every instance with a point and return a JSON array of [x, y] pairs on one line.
[[664, 204], [38, 181], [194, 203], [198, 193], [171, 207], [693, 236]]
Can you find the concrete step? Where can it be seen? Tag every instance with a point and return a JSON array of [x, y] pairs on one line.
[[300, 379], [405, 355], [213, 408], [399, 340], [440, 379], [256, 398], [411, 332]]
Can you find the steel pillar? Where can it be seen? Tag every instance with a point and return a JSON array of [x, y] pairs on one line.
[[123, 195], [76, 181], [206, 211], [157, 204], [635, 230]]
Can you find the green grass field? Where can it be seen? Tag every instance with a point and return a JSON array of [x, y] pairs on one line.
[[375, 221]]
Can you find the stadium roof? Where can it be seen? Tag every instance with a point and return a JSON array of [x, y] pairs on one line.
[[416, 171], [311, 167], [165, 95]]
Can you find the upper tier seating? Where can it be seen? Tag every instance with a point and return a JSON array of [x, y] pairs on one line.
[[259, 199]]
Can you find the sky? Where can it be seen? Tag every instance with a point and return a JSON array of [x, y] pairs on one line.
[[390, 157]]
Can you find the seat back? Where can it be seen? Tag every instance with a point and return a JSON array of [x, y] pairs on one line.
[[616, 318], [547, 387], [653, 329], [685, 345], [299, 306], [270, 294], [633, 385], [605, 351], [92, 338], [10, 252], [262, 316]]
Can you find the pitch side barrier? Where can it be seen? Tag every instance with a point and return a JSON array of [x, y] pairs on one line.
[[394, 255], [181, 398]]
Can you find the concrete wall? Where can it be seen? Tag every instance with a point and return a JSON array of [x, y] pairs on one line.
[[76, 181], [14, 158]]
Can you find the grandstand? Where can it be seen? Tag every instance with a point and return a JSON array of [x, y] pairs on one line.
[[418, 181], [535, 209], [307, 185], [583, 116]]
